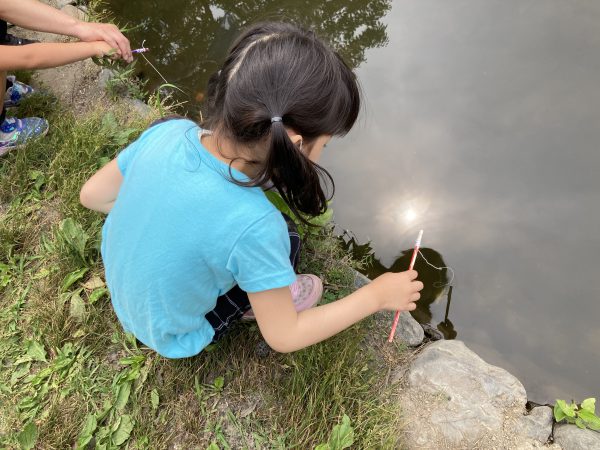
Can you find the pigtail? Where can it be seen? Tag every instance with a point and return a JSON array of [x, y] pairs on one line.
[[296, 177], [278, 77]]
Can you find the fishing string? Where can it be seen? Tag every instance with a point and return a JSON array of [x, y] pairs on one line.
[[439, 284], [141, 51]]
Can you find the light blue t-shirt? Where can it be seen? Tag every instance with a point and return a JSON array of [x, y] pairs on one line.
[[180, 234]]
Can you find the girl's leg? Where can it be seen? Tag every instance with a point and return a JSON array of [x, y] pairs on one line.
[[232, 305]]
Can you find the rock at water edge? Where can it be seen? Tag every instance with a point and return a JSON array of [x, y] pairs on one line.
[[74, 12], [455, 398], [570, 437], [537, 424], [409, 330]]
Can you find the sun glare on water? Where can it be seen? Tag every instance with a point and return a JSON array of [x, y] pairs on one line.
[[409, 216]]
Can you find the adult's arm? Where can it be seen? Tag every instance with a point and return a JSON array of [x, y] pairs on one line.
[[44, 55], [35, 15]]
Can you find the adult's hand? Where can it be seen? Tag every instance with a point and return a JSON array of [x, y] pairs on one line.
[[109, 33], [38, 16]]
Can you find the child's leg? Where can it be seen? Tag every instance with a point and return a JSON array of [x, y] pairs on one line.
[[231, 306]]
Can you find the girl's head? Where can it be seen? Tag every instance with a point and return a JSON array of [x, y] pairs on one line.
[[277, 79]]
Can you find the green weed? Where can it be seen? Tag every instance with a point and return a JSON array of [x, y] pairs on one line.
[[584, 415]]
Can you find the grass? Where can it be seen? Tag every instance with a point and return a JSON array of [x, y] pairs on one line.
[[69, 376]]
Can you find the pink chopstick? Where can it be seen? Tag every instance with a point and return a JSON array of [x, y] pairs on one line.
[[410, 267]]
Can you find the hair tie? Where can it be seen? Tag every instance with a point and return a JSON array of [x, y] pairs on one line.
[[276, 119]]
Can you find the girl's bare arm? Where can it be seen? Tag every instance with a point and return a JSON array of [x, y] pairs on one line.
[[44, 55], [285, 330], [100, 191]]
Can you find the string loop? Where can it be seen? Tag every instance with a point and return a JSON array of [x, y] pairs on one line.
[[439, 284]]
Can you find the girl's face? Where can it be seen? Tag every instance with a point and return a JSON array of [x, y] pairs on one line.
[[312, 151]]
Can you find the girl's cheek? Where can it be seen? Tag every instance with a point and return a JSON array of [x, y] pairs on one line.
[[315, 154]]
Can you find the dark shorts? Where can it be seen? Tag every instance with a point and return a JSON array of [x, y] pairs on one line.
[[232, 305]]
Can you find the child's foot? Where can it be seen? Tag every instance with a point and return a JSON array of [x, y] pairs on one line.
[[15, 133], [306, 293], [17, 92]]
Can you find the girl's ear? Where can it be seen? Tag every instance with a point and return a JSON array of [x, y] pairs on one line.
[[294, 137]]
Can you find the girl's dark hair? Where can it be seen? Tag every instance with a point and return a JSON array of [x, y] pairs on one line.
[[279, 70]]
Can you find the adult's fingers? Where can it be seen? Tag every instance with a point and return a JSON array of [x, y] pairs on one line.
[[116, 39], [123, 44]]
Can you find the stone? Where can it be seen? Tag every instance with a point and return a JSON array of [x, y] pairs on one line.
[[409, 330], [74, 12], [62, 3], [537, 424], [262, 349], [432, 333], [105, 76], [360, 280], [570, 437], [456, 398], [141, 108]]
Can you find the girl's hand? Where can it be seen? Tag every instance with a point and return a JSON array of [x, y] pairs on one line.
[[102, 49], [396, 291]]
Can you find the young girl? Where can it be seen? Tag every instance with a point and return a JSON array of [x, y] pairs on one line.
[[191, 242], [99, 39]]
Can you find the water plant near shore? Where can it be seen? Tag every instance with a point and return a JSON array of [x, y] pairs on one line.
[[583, 415]]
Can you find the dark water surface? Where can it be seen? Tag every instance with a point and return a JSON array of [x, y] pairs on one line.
[[481, 126]]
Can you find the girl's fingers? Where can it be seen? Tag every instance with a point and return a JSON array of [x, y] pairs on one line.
[[411, 306], [418, 285], [412, 274], [415, 297]]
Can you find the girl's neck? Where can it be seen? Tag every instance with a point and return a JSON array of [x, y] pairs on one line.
[[225, 150]]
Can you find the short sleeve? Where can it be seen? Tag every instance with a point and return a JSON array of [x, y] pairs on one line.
[[260, 259], [165, 125], [126, 156]]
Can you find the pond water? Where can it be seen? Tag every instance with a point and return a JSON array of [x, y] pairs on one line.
[[481, 126]]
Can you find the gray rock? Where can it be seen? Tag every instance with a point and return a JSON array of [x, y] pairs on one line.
[[74, 12], [472, 398], [62, 3], [409, 330], [570, 437], [105, 76], [139, 107], [360, 280], [537, 424]]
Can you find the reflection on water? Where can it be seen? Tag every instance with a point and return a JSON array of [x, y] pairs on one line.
[[188, 40], [437, 291], [480, 127]]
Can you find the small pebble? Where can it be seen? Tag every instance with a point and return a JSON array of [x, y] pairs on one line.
[[263, 350]]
